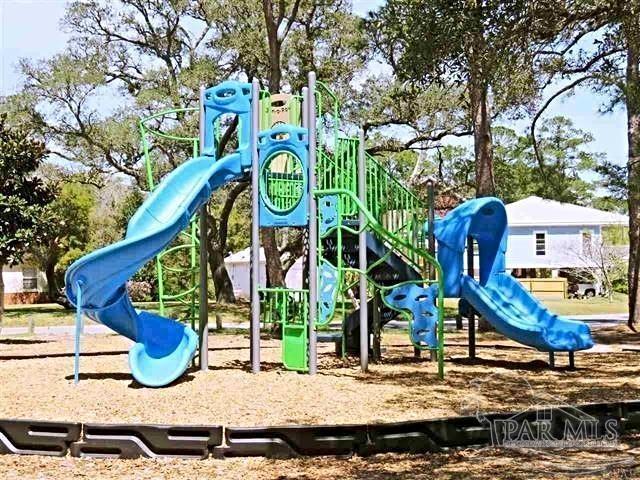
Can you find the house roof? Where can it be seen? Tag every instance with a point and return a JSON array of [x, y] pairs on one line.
[[536, 211]]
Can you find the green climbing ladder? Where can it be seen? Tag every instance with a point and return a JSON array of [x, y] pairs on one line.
[[177, 267]]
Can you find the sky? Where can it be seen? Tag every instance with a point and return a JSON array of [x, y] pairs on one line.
[[30, 29]]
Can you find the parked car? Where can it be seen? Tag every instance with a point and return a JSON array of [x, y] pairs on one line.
[[62, 299], [584, 290]]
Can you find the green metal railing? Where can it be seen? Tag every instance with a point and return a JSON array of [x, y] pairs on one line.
[[181, 260], [289, 308], [280, 305], [418, 258], [393, 213], [282, 182]]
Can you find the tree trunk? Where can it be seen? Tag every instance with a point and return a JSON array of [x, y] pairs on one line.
[[52, 282], [221, 281], [480, 108], [1, 292], [482, 141], [275, 278], [633, 168], [481, 120], [275, 71]]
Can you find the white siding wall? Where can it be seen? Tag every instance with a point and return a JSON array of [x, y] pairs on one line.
[[563, 246], [13, 280], [240, 275]]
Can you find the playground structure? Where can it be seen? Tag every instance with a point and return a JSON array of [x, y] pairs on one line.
[[371, 245]]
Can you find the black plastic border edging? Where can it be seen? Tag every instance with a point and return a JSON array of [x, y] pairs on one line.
[[150, 441], [31, 437]]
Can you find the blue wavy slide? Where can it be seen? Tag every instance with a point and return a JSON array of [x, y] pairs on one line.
[[163, 347], [497, 296]]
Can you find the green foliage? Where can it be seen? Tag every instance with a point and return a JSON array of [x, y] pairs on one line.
[[65, 227], [454, 169], [614, 181], [516, 170], [397, 116], [128, 205], [444, 41], [23, 196], [615, 235], [68, 257], [239, 234]]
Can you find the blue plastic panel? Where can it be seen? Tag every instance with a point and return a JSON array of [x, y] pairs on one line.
[[327, 291], [295, 141], [228, 97], [328, 210]]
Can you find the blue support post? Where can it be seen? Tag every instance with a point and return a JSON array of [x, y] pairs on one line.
[[76, 362]]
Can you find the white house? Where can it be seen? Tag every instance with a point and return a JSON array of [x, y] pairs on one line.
[[23, 284], [239, 269], [543, 234], [553, 235]]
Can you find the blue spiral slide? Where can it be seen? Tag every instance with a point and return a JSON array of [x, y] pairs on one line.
[[497, 296], [163, 347]]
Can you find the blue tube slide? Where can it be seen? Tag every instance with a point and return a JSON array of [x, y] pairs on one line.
[[163, 347], [497, 296]]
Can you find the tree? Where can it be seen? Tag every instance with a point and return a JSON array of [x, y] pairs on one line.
[[65, 227], [614, 181], [23, 196], [516, 170], [599, 263], [482, 46], [609, 63], [146, 55], [396, 116], [566, 156]]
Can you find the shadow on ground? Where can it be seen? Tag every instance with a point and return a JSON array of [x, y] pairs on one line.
[[21, 341], [62, 355]]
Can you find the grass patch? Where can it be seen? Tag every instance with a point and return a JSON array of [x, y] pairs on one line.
[[49, 314], [568, 306], [40, 315], [52, 314], [589, 306]]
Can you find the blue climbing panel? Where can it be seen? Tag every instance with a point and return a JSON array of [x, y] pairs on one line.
[[327, 291], [228, 97], [421, 303], [328, 209]]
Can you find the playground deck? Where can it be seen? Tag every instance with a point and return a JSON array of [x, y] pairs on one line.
[[37, 379]]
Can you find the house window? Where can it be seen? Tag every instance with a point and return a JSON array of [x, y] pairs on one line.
[[541, 243], [29, 279], [586, 241]]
